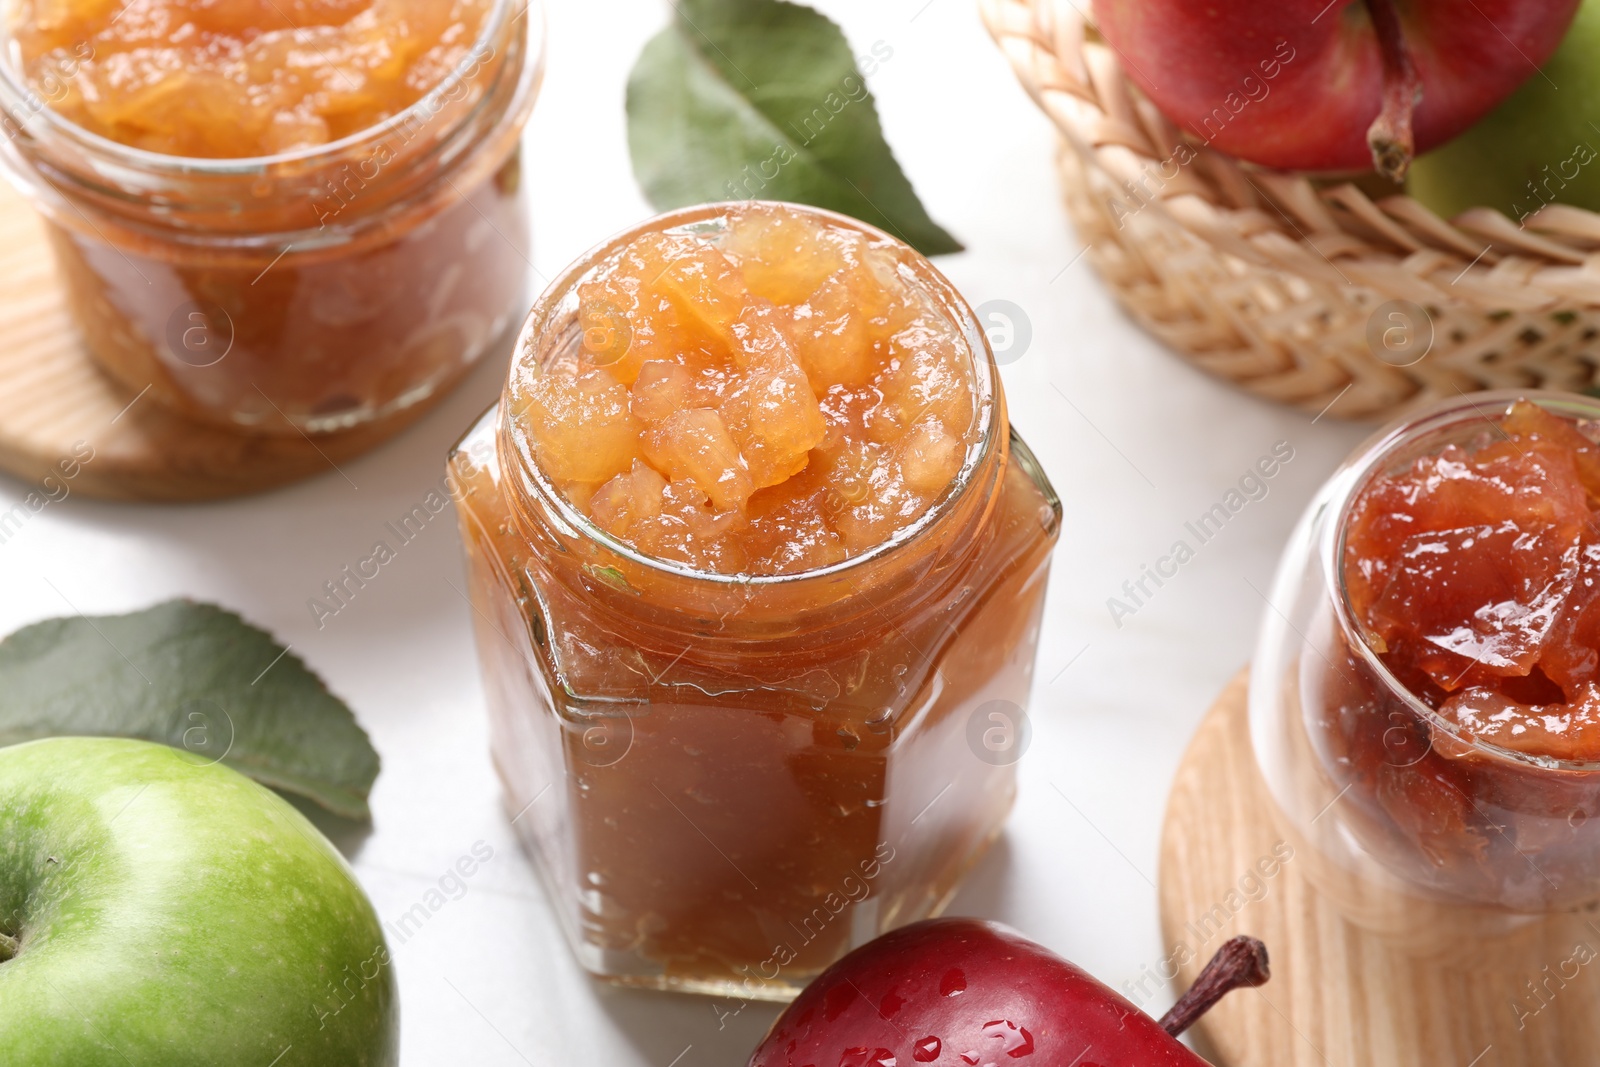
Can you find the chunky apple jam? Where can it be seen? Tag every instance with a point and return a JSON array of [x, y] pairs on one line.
[[784, 401], [287, 216], [1476, 573], [229, 79], [1472, 575], [757, 567]]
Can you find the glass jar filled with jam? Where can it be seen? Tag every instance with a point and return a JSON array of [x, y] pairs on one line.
[[1426, 695], [282, 216], [757, 564]]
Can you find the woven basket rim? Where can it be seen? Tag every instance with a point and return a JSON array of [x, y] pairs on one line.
[[1291, 221]]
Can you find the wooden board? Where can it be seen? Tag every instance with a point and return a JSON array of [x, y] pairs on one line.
[[53, 396], [1458, 988]]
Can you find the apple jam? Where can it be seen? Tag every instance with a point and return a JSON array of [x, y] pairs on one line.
[[784, 401], [286, 217], [1461, 705], [755, 678], [240, 78], [1476, 573]]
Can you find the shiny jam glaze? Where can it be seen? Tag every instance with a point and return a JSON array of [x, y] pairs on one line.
[[1428, 672], [1476, 574], [785, 399], [733, 764], [238, 78]]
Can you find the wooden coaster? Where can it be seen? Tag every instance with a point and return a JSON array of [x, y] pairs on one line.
[[55, 403], [1450, 991]]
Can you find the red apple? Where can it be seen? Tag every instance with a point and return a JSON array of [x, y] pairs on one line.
[[1330, 85], [967, 993]]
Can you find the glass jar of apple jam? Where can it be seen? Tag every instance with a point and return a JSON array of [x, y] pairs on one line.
[[282, 216], [1425, 700], [757, 566]]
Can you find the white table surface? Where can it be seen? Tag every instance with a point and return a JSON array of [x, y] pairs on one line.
[[1135, 442]]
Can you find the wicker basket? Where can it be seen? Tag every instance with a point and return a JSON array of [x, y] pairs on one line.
[[1282, 284]]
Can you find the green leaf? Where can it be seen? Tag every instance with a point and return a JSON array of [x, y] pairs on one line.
[[195, 677], [742, 99]]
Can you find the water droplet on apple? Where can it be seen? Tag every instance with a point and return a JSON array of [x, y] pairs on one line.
[[927, 1050], [954, 983], [1014, 1040]]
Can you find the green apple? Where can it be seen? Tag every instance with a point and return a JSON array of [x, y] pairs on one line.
[[1541, 146], [157, 910]]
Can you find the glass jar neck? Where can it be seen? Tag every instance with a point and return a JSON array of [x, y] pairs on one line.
[[308, 196], [645, 598], [646, 601]]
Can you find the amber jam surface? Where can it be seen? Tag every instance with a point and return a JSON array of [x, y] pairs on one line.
[[1449, 666], [282, 216], [755, 675], [769, 397], [1476, 575], [239, 78]]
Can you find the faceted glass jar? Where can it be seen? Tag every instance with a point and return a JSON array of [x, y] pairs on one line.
[[315, 291], [1392, 797], [730, 781]]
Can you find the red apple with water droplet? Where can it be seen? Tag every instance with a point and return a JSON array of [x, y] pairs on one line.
[[1330, 85], [969, 993]]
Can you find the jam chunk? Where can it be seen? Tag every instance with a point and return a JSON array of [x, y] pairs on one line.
[[230, 79], [763, 397], [1475, 573], [1569, 730]]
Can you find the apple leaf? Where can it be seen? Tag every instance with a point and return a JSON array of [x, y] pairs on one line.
[[701, 128], [192, 676]]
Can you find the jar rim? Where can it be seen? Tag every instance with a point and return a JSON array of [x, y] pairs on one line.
[[1356, 473], [14, 88], [988, 398]]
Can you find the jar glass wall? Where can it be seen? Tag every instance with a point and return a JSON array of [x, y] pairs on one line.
[[731, 780], [1386, 791], [314, 291]]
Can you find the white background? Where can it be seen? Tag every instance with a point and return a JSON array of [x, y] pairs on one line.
[[1135, 442]]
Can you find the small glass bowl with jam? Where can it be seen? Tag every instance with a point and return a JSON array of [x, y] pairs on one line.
[[757, 566], [287, 217], [1425, 702]]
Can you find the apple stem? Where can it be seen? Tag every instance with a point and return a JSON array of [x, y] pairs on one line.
[[1390, 135], [1239, 963], [8, 946]]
